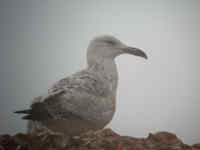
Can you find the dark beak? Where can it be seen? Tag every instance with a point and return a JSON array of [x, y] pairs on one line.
[[135, 51]]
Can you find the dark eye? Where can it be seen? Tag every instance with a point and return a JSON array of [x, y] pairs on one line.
[[110, 42]]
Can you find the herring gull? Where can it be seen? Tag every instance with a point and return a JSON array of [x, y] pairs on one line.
[[85, 100]]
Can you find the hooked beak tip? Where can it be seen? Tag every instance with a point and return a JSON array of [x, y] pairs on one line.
[[136, 52], [145, 56]]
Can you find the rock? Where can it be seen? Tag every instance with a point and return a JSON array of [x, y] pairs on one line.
[[104, 139]]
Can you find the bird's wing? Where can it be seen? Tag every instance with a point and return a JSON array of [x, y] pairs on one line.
[[81, 94], [46, 108], [84, 81], [75, 96]]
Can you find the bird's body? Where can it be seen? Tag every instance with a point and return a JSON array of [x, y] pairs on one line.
[[85, 100], [85, 97]]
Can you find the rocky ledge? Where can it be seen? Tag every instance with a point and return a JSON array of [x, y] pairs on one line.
[[104, 139]]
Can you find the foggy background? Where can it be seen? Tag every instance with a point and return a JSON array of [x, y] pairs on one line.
[[44, 41]]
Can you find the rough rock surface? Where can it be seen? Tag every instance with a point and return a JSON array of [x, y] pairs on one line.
[[104, 139]]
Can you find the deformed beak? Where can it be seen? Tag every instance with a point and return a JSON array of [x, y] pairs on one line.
[[135, 51]]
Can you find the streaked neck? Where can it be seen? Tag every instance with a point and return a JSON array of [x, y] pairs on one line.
[[107, 68]]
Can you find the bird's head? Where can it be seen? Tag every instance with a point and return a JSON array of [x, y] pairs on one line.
[[109, 47]]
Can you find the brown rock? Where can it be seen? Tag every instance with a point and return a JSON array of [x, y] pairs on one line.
[[104, 139]]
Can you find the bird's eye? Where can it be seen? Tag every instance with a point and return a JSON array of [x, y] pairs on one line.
[[110, 42]]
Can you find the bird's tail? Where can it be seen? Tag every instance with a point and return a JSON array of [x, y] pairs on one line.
[[37, 112]]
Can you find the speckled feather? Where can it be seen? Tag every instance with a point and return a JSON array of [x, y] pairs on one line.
[[83, 94]]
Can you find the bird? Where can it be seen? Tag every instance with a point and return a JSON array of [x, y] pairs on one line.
[[85, 100]]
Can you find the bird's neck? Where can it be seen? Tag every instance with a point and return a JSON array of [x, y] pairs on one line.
[[107, 68]]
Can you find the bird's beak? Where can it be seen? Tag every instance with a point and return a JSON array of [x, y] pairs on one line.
[[134, 51]]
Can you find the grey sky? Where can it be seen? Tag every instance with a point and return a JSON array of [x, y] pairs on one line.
[[44, 41]]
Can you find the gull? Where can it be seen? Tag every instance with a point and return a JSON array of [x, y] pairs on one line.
[[86, 100]]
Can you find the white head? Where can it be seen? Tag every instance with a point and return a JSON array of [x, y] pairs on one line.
[[108, 47]]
